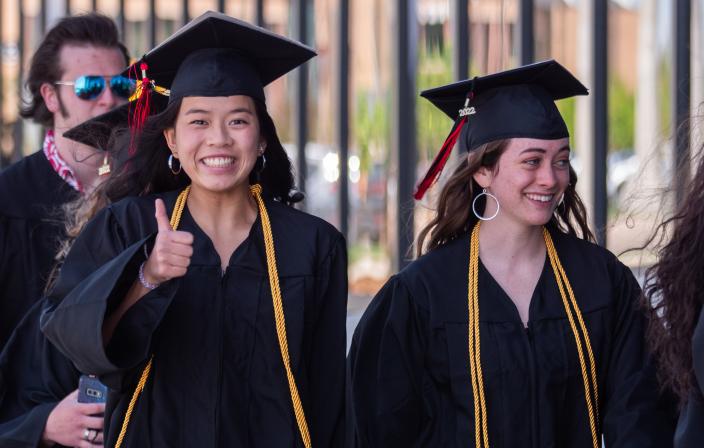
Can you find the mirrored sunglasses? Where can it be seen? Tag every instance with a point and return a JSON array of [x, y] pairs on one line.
[[89, 87]]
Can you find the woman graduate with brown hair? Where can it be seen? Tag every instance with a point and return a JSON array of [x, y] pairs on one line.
[[512, 328], [213, 309]]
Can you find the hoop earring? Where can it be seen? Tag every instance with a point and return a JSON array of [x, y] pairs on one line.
[[474, 202], [170, 162], [263, 157]]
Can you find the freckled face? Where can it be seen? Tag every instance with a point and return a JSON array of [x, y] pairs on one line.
[[217, 140], [529, 180]]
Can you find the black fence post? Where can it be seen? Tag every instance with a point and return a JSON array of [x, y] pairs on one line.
[[460, 38], [404, 124], [343, 126], [600, 115], [681, 96], [302, 97], [527, 33]]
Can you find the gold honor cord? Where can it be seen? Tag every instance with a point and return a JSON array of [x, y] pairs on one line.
[[256, 191], [279, 314], [175, 220], [138, 390], [571, 307], [481, 432], [561, 276]]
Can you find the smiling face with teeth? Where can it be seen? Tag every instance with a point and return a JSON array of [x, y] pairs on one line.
[[528, 180], [217, 141]]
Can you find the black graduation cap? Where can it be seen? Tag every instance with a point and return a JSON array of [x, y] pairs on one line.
[[97, 131], [514, 103], [217, 55]]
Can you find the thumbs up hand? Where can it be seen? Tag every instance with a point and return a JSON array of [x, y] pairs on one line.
[[172, 251]]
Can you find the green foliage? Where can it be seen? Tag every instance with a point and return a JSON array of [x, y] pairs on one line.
[[664, 83], [622, 105], [370, 126], [621, 119], [568, 110], [434, 70]]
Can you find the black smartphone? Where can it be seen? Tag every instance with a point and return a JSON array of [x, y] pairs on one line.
[[91, 390]]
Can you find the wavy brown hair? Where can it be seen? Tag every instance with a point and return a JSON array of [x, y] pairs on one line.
[[454, 214], [672, 292], [75, 215]]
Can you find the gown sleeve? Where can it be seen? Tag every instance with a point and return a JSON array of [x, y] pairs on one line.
[[25, 260], [635, 414], [34, 378], [385, 365], [97, 274], [327, 365]]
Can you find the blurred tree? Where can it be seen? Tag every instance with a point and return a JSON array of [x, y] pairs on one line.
[[370, 128], [664, 83], [434, 69], [568, 110], [622, 112]]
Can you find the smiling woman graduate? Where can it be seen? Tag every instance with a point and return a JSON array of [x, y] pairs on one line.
[[213, 309], [509, 330]]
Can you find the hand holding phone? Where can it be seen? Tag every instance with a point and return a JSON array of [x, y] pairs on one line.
[[71, 423], [91, 390]]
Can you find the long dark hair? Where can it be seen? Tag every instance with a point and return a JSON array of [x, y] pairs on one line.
[[454, 211], [672, 291], [147, 172]]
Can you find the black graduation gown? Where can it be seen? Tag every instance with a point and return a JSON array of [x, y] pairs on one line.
[[690, 427], [409, 365], [218, 378], [34, 377], [31, 227]]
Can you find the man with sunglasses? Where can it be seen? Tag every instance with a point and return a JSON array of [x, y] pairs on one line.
[[74, 76]]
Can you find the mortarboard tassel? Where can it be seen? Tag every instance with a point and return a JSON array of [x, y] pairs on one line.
[[139, 115], [439, 161]]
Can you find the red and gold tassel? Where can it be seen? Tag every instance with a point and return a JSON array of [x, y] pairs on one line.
[[140, 112], [440, 160]]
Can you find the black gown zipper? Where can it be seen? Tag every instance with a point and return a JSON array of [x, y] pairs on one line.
[[221, 323], [534, 431]]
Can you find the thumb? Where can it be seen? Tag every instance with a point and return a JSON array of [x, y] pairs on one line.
[[162, 219]]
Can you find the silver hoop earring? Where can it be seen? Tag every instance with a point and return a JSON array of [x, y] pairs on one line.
[[474, 208], [263, 157], [170, 162]]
